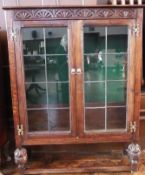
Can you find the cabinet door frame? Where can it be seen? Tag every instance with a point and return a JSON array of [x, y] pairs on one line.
[[133, 84], [16, 21], [53, 136]]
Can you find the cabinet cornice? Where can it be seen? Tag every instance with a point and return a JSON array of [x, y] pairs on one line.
[[74, 13]]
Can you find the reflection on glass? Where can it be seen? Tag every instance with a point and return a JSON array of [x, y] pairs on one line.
[[36, 95], [116, 93], [56, 40], [34, 69], [95, 119], [57, 68], [49, 120], [94, 39], [116, 66], [46, 78], [94, 67], [33, 42], [38, 120], [116, 118], [105, 75], [58, 120], [58, 94], [117, 39], [94, 94]]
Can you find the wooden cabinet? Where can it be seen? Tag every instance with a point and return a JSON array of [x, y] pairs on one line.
[[75, 75]]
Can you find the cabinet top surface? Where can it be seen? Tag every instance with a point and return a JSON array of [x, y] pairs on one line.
[[88, 6]]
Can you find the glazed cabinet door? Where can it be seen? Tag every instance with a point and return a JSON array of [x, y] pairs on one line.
[[108, 65], [45, 81], [76, 80]]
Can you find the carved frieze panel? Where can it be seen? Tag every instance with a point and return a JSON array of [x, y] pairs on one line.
[[73, 13]]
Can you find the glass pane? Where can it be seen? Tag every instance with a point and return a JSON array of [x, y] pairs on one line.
[[34, 68], [95, 119], [117, 37], [46, 78], [94, 94], [57, 68], [33, 42], [58, 120], [49, 120], [116, 118], [38, 120], [94, 76], [94, 39], [36, 95], [116, 66], [116, 93], [56, 40], [105, 75], [94, 67], [58, 94]]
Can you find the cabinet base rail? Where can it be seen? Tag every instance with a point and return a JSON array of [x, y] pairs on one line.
[[78, 170], [80, 165]]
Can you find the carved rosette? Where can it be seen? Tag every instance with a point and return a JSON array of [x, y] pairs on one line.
[[134, 152], [73, 13], [126, 13], [20, 156], [106, 13]]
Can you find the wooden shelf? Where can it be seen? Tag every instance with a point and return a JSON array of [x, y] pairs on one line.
[[80, 165]]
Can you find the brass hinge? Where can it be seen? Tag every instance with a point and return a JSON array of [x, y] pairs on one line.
[[13, 35], [20, 130], [133, 127], [136, 30]]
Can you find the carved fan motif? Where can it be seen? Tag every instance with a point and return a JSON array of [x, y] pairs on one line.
[[128, 13], [63, 13], [80, 13], [89, 13], [25, 14], [73, 13], [44, 13], [105, 13]]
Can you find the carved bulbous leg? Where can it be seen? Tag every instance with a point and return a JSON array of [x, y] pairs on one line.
[[134, 152], [20, 156]]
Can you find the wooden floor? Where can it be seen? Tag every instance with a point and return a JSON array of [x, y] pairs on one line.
[[10, 170]]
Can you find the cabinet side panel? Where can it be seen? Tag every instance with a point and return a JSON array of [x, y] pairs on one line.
[[13, 81], [138, 71]]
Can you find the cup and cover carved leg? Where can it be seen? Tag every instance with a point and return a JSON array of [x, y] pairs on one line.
[[134, 152], [21, 157]]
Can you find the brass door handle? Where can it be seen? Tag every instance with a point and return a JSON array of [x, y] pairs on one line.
[[76, 71], [73, 71], [79, 71]]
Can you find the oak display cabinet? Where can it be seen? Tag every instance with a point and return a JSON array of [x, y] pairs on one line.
[[75, 75]]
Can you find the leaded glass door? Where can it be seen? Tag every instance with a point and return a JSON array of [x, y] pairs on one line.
[[107, 58], [78, 80], [48, 92]]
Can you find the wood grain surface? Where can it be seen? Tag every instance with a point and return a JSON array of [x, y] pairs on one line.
[[60, 164]]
